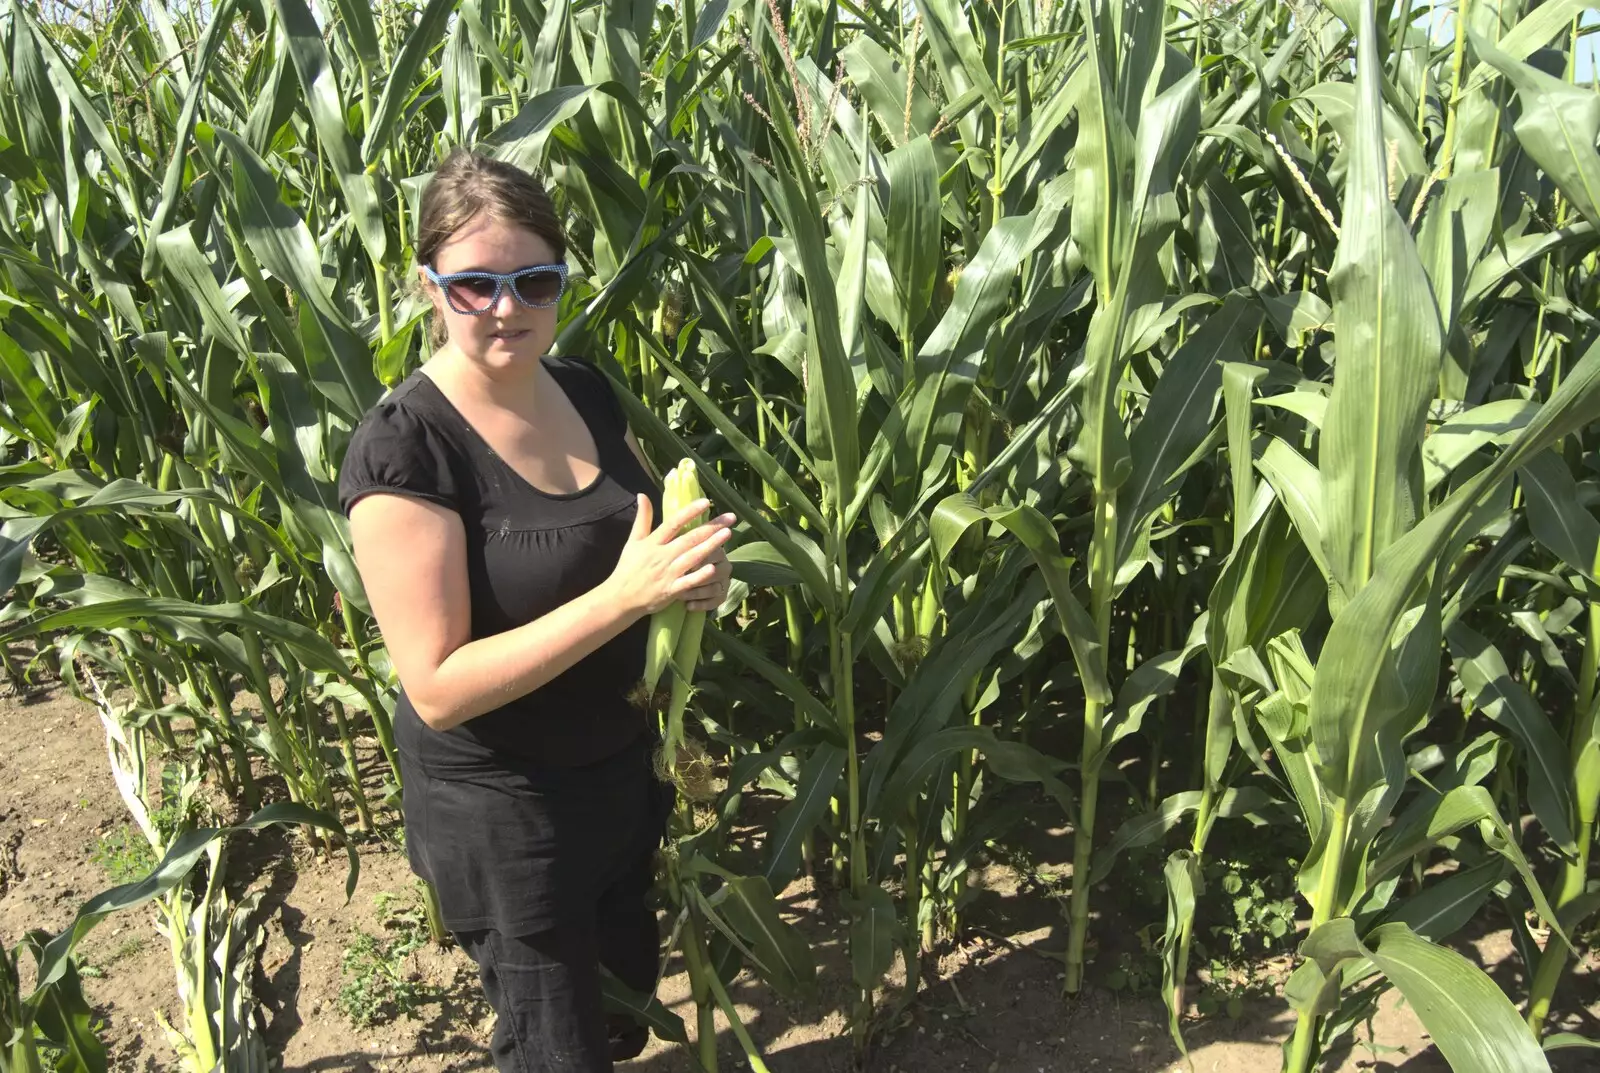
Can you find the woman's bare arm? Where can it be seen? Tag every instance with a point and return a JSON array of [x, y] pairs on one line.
[[413, 563]]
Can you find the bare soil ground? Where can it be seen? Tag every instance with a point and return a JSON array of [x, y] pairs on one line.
[[995, 1004]]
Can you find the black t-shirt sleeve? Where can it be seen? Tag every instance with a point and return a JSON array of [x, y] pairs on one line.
[[395, 450]]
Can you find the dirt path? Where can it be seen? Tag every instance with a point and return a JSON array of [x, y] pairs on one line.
[[996, 1006]]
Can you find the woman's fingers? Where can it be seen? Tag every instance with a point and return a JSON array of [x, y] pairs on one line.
[[691, 553], [643, 518], [723, 523], [693, 580], [713, 590], [674, 523]]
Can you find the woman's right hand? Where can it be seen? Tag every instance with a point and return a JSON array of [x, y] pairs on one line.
[[657, 567]]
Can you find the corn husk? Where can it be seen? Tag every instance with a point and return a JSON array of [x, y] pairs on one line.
[[666, 624], [675, 634]]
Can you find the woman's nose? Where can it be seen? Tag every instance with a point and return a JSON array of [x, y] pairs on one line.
[[504, 305]]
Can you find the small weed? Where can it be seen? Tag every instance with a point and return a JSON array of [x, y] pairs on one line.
[[124, 854], [1138, 973], [1261, 905], [380, 976], [130, 946], [53, 1058]]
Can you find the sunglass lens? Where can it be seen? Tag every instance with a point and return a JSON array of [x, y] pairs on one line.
[[472, 292], [540, 287]]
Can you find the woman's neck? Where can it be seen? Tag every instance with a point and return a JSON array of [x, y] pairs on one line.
[[512, 388]]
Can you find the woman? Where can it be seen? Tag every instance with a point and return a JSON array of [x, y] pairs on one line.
[[502, 514]]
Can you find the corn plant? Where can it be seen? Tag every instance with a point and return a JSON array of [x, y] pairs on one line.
[[738, 921], [215, 942]]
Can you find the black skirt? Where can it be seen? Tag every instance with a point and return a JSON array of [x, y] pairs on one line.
[[519, 848]]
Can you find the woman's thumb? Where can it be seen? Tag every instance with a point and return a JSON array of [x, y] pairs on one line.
[[643, 518]]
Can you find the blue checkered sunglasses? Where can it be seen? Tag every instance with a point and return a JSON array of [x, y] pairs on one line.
[[473, 294]]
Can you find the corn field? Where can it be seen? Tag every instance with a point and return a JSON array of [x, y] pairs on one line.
[[1143, 417]]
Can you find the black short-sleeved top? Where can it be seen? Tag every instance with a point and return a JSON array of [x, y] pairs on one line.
[[528, 552]]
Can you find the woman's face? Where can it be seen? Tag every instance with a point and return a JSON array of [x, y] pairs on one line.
[[509, 333]]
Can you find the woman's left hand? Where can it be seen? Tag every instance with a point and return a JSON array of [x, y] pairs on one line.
[[709, 597]]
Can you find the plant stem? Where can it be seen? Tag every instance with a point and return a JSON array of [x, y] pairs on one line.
[[1303, 1049], [701, 976], [351, 769], [1101, 579], [1448, 148], [1585, 755]]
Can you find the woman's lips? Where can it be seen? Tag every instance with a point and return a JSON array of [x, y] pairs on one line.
[[510, 336]]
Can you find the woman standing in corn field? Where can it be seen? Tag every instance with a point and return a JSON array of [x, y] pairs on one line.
[[501, 513]]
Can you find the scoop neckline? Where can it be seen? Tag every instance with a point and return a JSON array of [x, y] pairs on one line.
[[472, 430]]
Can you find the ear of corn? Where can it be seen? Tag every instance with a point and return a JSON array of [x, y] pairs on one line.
[[686, 646], [668, 622], [675, 631]]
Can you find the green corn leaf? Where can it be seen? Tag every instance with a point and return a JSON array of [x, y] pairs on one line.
[[882, 81], [760, 566], [1558, 127], [1446, 906], [173, 868], [172, 179], [1563, 1041], [1148, 828], [64, 85], [545, 63], [1498, 696], [182, 258], [341, 364], [947, 364], [961, 58], [757, 459], [1012, 761], [1182, 876], [1557, 516], [851, 282], [940, 679], [1390, 344], [299, 436], [311, 648], [646, 1010], [363, 31], [778, 677], [1435, 817], [521, 141], [66, 1019], [1298, 486], [819, 778], [1343, 708], [958, 513], [1470, 1019], [875, 935], [779, 953], [914, 224], [423, 38], [1459, 438], [317, 79], [1150, 681], [1531, 33], [652, 428], [1454, 234], [1179, 414]]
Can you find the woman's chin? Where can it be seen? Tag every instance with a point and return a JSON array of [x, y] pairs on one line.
[[506, 351]]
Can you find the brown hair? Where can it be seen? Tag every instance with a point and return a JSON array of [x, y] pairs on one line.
[[469, 184]]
